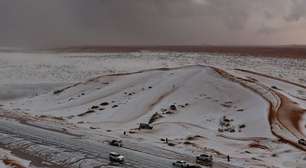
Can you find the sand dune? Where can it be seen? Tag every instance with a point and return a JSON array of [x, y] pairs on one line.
[[197, 107]]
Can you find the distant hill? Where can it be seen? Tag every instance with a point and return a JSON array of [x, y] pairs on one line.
[[292, 51], [289, 51]]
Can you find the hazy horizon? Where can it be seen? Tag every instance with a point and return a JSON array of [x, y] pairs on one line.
[[64, 23]]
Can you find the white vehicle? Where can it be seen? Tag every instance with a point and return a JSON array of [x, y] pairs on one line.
[[116, 157], [183, 164]]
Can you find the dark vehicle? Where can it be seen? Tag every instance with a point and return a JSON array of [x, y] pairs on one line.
[[173, 107], [180, 164], [204, 159], [116, 157], [116, 143], [302, 142], [145, 126]]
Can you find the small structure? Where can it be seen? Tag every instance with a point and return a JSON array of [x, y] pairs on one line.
[[104, 104], [230, 129], [225, 122], [94, 107], [173, 107], [155, 117], [302, 142], [145, 126], [226, 125]]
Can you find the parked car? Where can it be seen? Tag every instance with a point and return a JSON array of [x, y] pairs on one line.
[[180, 164], [302, 142], [204, 159], [116, 157], [116, 143], [183, 164]]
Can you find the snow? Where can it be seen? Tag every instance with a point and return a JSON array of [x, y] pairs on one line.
[[75, 67], [6, 155], [28, 83], [198, 86]]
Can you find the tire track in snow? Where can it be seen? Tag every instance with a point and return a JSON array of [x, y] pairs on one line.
[[280, 109], [288, 110], [272, 77]]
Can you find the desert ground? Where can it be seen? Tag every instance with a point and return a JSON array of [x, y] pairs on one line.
[[59, 109]]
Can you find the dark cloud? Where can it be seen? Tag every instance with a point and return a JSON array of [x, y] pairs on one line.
[[37, 23]]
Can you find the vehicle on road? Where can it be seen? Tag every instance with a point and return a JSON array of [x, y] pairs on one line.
[[204, 159], [302, 142], [180, 164], [115, 142], [116, 157], [184, 164]]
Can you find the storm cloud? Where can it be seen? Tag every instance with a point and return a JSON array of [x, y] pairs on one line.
[[55, 23]]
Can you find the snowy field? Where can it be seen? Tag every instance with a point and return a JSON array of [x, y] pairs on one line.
[[251, 108], [62, 68]]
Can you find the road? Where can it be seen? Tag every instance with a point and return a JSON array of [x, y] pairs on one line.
[[70, 151]]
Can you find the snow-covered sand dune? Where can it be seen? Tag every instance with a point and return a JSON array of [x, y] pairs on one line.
[[197, 107], [201, 97]]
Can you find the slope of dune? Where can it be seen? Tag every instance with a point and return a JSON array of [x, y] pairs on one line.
[[196, 107], [201, 96], [198, 92]]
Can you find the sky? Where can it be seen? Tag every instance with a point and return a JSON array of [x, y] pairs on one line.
[[61, 23]]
